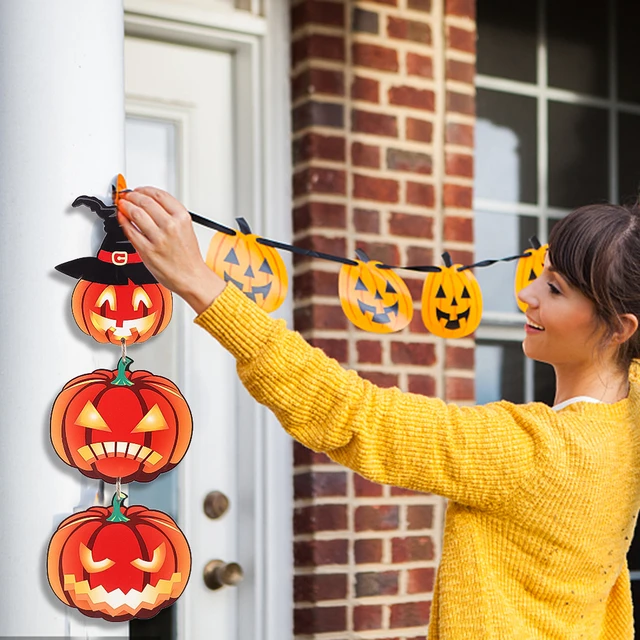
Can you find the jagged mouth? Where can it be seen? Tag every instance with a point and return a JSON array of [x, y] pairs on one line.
[[380, 317], [119, 603], [262, 290], [141, 325], [452, 323], [99, 450]]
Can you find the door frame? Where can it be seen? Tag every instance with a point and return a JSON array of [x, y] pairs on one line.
[[263, 193]]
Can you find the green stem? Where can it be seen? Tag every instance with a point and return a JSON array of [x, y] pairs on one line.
[[121, 379], [117, 515]]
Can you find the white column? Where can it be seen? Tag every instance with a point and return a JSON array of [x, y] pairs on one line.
[[61, 135]]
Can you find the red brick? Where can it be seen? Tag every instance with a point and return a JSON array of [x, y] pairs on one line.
[[418, 65], [338, 349], [420, 580], [457, 164], [384, 380], [320, 214], [317, 45], [369, 351], [419, 130], [458, 229], [324, 517], [412, 161], [418, 256], [318, 12], [420, 194], [379, 189], [320, 552], [365, 89], [319, 316], [319, 484], [461, 39], [410, 225], [418, 353], [400, 491], [366, 220], [408, 30], [315, 282], [376, 584], [464, 8], [315, 588], [375, 57], [415, 283], [365, 21], [420, 5], [413, 98], [459, 357], [417, 326], [365, 155], [424, 385], [412, 549], [367, 551], [365, 488], [315, 146], [455, 195], [380, 251], [410, 614], [461, 103], [461, 71], [459, 256], [379, 124], [319, 180], [377, 518], [419, 516], [313, 113], [367, 617], [304, 457], [319, 620], [459, 389], [313, 81]]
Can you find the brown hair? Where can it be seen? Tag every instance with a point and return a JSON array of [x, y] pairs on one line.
[[597, 250]]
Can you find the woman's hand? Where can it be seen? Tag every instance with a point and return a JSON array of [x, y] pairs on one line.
[[161, 231]]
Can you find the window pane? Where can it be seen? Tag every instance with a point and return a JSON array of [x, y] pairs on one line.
[[578, 155], [506, 153], [628, 53], [499, 235], [578, 46], [544, 383], [499, 371], [628, 157], [507, 39]]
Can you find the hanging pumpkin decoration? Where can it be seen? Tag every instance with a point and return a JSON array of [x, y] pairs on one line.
[[130, 312], [121, 424], [255, 268], [118, 563], [374, 299], [451, 301], [529, 268]]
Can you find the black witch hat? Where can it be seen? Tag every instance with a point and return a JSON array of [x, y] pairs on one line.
[[117, 261]]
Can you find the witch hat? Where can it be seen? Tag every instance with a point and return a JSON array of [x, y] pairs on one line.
[[117, 261]]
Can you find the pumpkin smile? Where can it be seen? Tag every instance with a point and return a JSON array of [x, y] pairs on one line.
[[381, 317], [452, 323], [254, 291], [124, 328], [99, 450]]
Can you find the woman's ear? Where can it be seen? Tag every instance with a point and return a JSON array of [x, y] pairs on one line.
[[628, 326]]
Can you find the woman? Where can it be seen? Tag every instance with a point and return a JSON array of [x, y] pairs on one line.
[[543, 500]]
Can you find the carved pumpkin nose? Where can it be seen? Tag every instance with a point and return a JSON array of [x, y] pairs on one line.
[[454, 302]]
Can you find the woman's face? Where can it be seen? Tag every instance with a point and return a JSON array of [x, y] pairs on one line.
[[562, 327]]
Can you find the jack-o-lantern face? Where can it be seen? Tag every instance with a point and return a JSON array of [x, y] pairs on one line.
[[112, 313], [374, 299], [256, 269], [119, 424], [451, 301], [118, 563], [529, 268]]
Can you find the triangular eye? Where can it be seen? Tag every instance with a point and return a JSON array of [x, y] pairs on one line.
[[265, 268], [249, 272], [153, 421], [155, 564], [465, 293], [390, 288], [232, 258], [91, 419], [441, 293], [360, 285]]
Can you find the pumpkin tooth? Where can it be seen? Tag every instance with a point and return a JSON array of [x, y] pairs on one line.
[[143, 453], [98, 450], [154, 458], [87, 453], [132, 450], [109, 448], [121, 449]]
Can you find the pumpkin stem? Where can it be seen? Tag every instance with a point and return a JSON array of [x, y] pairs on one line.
[[243, 225], [362, 255], [534, 242], [446, 258], [121, 379], [116, 503]]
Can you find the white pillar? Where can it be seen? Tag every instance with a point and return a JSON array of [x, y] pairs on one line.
[[61, 135]]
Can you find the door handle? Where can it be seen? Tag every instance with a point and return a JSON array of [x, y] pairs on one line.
[[218, 574], [215, 504]]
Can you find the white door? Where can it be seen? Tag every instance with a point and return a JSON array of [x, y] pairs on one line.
[[183, 135]]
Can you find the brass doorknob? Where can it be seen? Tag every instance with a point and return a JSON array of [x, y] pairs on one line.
[[218, 574], [215, 504]]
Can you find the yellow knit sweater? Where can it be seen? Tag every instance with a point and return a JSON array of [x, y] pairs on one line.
[[542, 503]]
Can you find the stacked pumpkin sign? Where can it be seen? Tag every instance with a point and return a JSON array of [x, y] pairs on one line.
[[119, 426]]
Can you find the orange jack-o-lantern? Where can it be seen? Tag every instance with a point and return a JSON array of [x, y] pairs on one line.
[[130, 312], [255, 268], [451, 301], [374, 299], [529, 268], [118, 563], [121, 424]]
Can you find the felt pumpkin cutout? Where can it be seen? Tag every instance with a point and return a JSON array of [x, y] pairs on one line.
[[529, 268], [255, 268], [130, 312], [451, 301], [118, 563], [121, 424], [374, 299]]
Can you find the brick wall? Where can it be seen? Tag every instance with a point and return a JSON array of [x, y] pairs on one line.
[[383, 108]]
